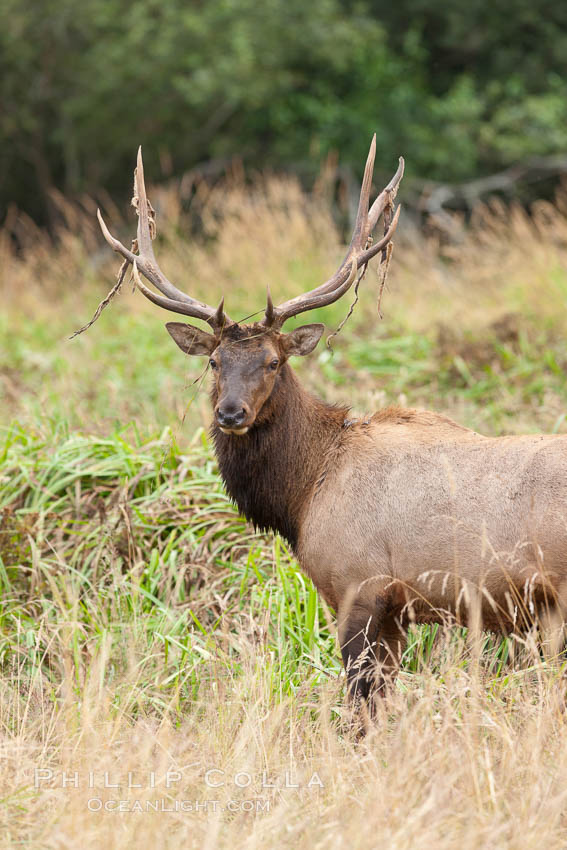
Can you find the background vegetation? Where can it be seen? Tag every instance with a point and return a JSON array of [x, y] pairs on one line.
[[145, 627], [461, 90]]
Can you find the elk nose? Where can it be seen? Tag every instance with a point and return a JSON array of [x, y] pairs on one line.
[[231, 415]]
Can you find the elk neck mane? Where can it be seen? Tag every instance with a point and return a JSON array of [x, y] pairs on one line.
[[270, 472]]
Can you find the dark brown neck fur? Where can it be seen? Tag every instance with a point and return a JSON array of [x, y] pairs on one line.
[[271, 470]]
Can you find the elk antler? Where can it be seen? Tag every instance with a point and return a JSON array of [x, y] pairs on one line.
[[145, 262], [358, 254]]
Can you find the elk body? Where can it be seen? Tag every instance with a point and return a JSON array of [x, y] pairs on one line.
[[403, 516]]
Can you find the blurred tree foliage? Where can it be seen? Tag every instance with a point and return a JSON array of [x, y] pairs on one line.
[[461, 89]]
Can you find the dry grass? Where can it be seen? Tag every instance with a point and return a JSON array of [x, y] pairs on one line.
[[458, 758], [145, 629]]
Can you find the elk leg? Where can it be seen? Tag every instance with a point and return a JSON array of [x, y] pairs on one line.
[[392, 641], [358, 639]]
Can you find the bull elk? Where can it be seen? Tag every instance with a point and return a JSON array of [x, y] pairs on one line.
[[402, 516]]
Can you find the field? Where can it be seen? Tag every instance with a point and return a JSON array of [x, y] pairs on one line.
[[151, 640]]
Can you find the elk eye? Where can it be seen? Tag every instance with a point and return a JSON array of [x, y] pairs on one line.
[[213, 363], [274, 364]]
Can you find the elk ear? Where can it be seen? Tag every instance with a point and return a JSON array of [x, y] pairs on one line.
[[191, 340], [302, 340]]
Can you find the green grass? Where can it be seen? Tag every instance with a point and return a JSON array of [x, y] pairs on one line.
[[131, 543]]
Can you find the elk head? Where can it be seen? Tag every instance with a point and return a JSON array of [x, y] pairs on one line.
[[247, 360], [246, 363]]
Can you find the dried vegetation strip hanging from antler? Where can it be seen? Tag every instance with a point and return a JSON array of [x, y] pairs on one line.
[[151, 217], [108, 298], [385, 259]]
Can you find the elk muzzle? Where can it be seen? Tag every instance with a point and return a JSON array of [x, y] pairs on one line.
[[233, 416]]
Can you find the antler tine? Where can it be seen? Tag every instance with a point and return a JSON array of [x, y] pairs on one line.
[[171, 298], [220, 318], [386, 196], [270, 310], [360, 233], [376, 247], [145, 246], [358, 253]]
